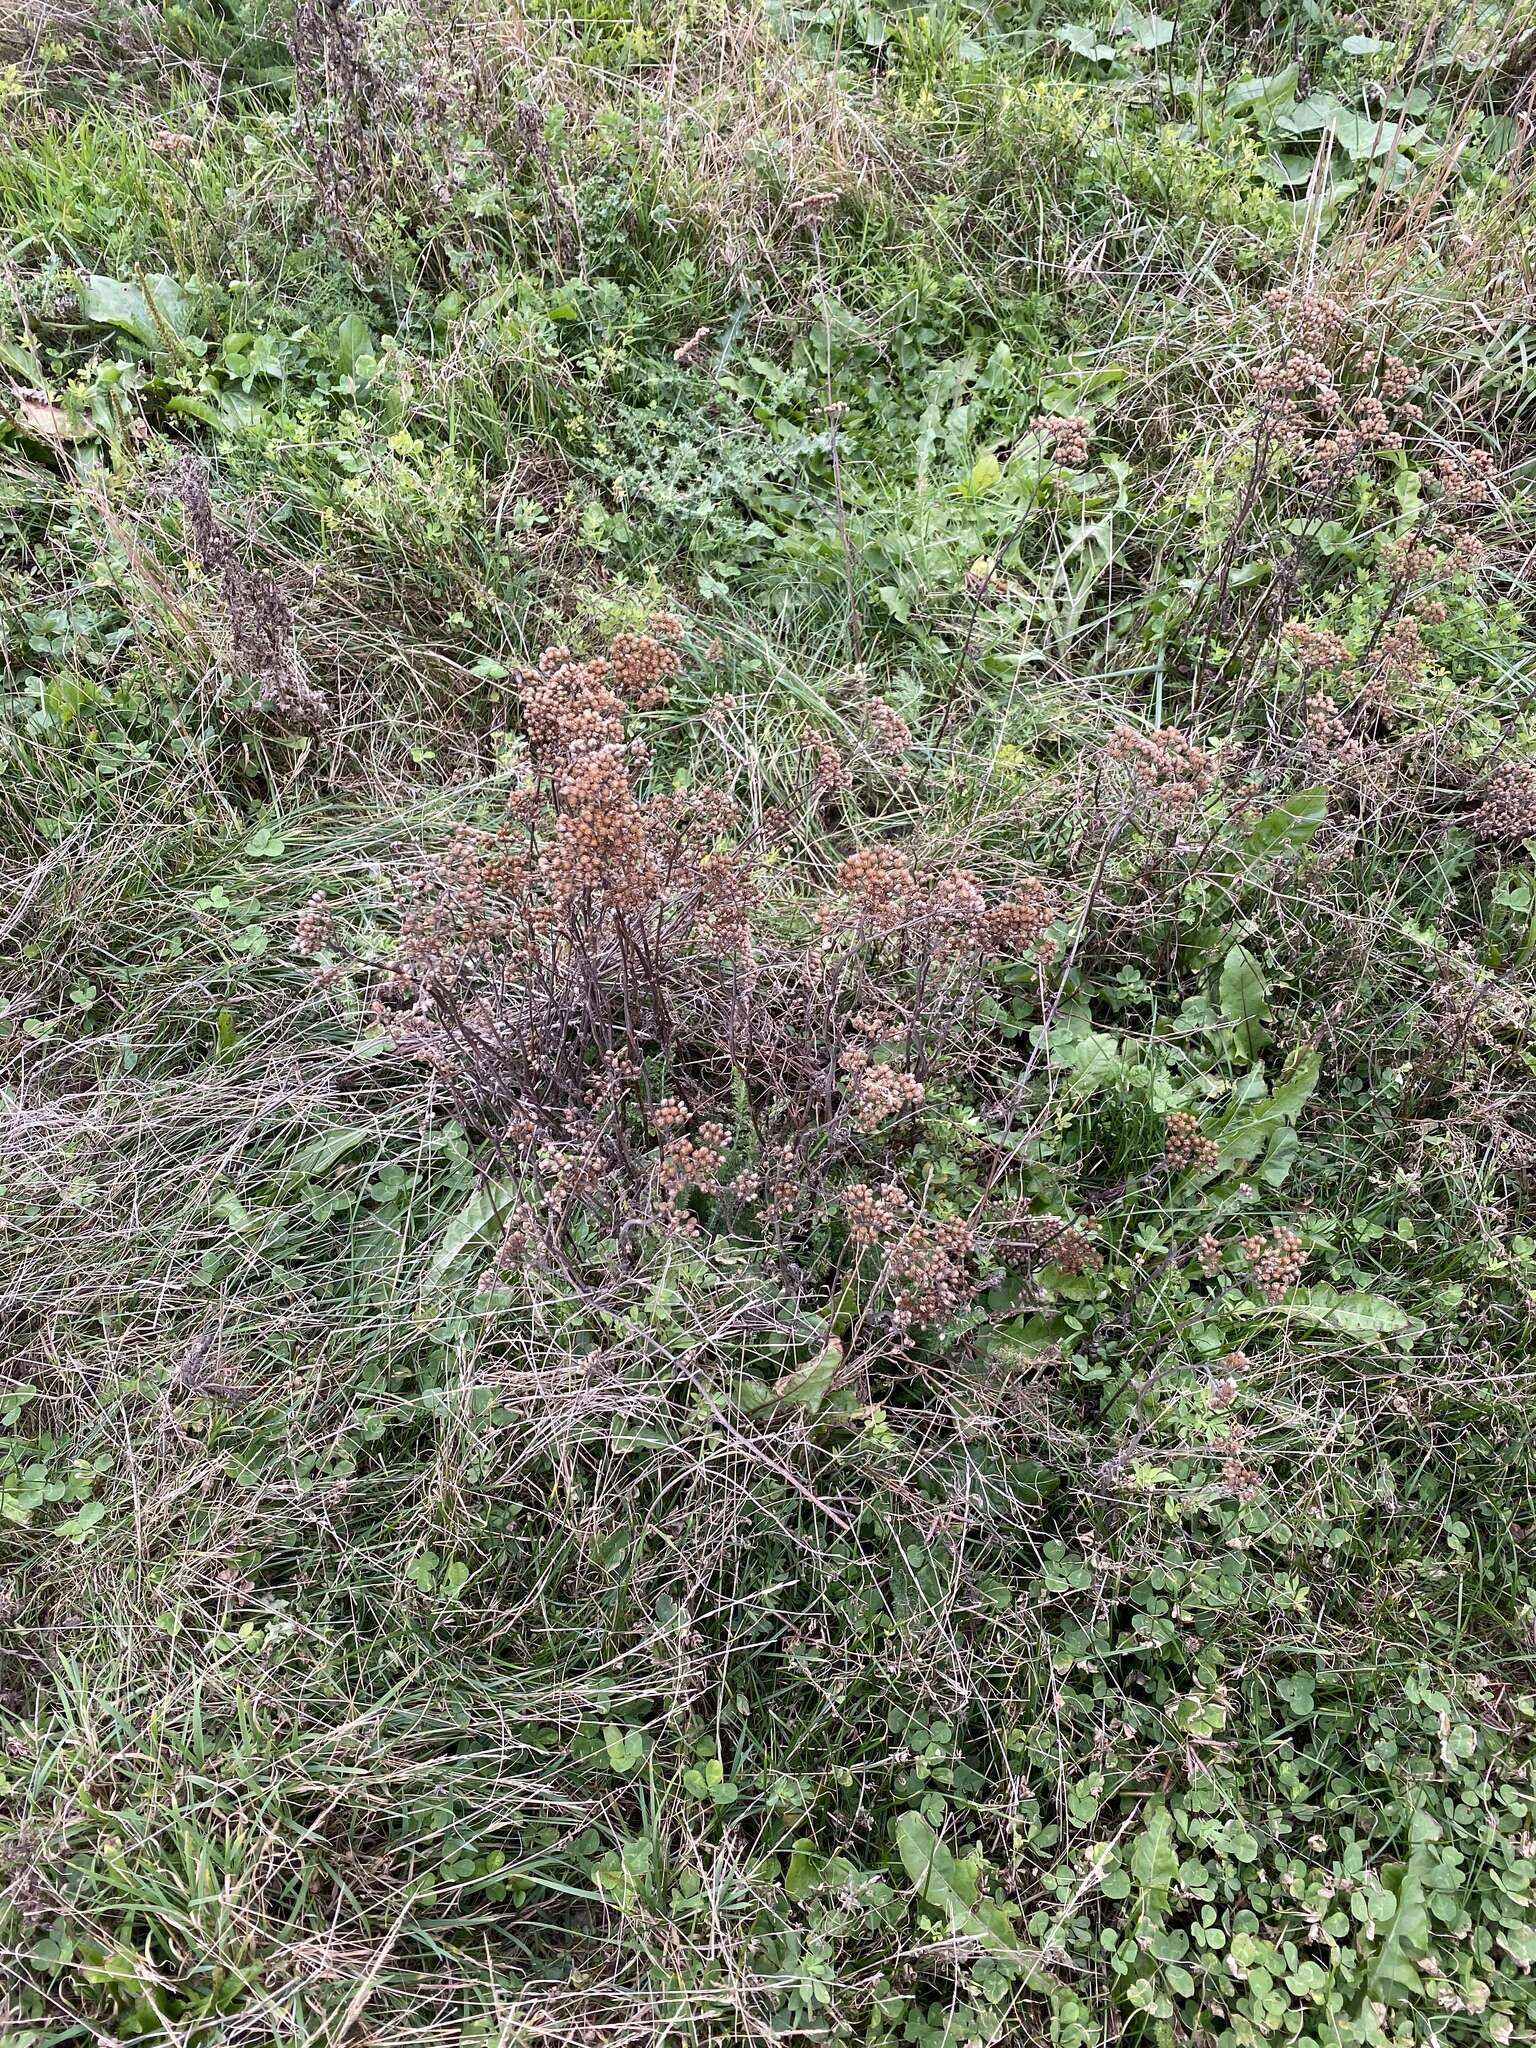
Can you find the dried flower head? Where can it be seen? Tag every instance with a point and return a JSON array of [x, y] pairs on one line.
[[1020, 924], [1277, 1262], [1185, 1148], [1315, 647], [312, 928], [1066, 437], [881, 884], [1507, 813], [1165, 768], [830, 773]]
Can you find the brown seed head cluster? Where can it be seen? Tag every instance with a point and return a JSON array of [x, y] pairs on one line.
[[1165, 767], [1507, 813], [1237, 1475], [881, 884], [568, 703], [1409, 558], [312, 928], [515, 1250], [693, 1162], [1074, 1252], [1465, 477], [1208, 1250], [729, 894], [1277, 1261], [928, 1271], [1067, 437], [889, 734], [1333, 426], [1400, 654], [877, 1089], [1301, 373], [1328, 736], [1184, 1148], [1316, 648], [1316, 321], [1021, 923], [874, 1215], [600, 837], [954, 913], [644, 663], [830, 773]]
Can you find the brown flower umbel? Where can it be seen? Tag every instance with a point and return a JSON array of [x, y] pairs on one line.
[[1507, 813], [1277, 1261], [312, 930], [1165, 768], [877, 1089], [830, 773], [601, 839], [889, 734], [1185, 1148], [1316, 648], [1067, 438], [1019, 925], [880, 882], [1073, 1251], [873, 1217]]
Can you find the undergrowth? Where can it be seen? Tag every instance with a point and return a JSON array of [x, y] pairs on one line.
[[767, 798]]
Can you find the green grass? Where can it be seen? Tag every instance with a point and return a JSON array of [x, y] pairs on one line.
[[649, 1638]]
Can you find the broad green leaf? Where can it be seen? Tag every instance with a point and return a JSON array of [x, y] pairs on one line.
[[155, 312], [625, 1747], [942, 1881], [1084, 42], [1365, 1318], [474, 1222], [1289, 825], [82, 1522], [17, 356], [1142, 31], [314, 1160], [1363, 139], [354, 343], [1092, 1059], [1244, 999], [807, 1386], [1310, 116], [985, 472], [195, 409], [1287, 169], [1293, 1090], [1260, 95], [949, 1886], [1155, 1857], [1391, 1976]]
